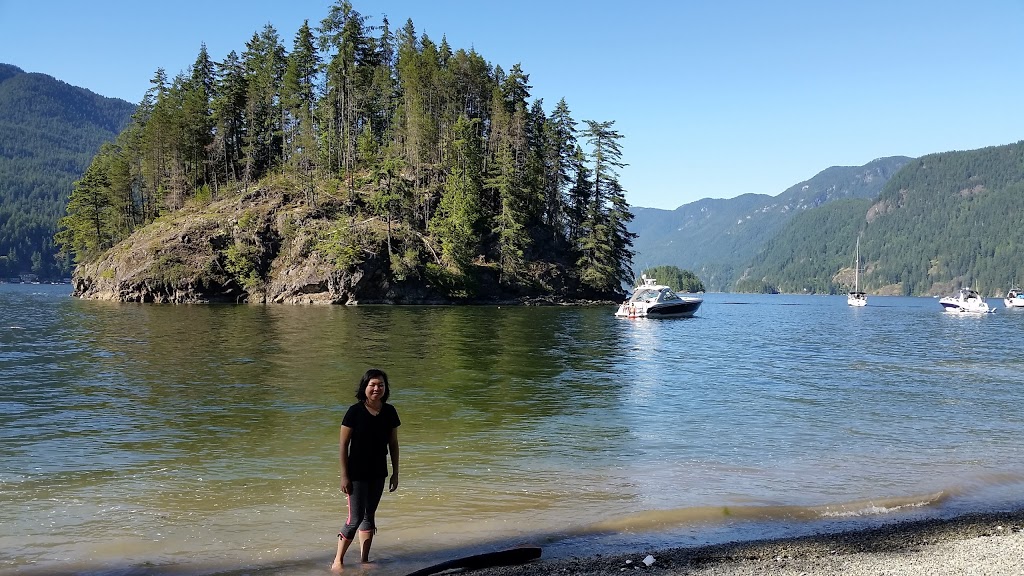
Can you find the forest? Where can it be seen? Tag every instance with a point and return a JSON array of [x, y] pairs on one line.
[[942, 222], [50, 133], [449, 153]]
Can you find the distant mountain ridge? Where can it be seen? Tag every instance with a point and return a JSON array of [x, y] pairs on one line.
[[944, 221], [717, 238], [49, 133]]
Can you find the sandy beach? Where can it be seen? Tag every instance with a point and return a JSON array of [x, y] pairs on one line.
[[975, 544]]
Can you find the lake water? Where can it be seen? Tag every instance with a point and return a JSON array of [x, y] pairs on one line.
[[138, 439]]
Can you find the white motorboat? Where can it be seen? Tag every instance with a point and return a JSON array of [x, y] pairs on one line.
[[653, 300], [857, 298], [966, 301], [1014, 299]]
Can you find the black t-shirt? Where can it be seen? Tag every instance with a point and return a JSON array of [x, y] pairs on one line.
[[368, 448]]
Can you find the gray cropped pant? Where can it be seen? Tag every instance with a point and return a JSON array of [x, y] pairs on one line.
[[362, 506]]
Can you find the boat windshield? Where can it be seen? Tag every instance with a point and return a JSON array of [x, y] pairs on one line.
[[644, 295], [668, 295], [658, 294]]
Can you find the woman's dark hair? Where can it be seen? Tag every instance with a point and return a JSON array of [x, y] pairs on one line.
[[370, 375]]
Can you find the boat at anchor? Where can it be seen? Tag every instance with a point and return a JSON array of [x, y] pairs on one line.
[[856, 297], [653, 300], [1014, 299], [966, 301]]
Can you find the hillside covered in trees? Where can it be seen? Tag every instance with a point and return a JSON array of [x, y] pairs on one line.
[[49, 132], [944, 221], [387, 155], [718, 238]]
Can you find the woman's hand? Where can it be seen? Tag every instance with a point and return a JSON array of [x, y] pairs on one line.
[[346, 484], [393, 483]]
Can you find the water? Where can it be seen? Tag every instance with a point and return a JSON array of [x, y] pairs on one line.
[[139, 439]]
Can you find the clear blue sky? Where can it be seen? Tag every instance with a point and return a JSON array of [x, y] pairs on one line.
[[714, 98]]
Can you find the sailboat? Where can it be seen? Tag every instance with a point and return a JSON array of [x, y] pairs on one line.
[[857, 298]]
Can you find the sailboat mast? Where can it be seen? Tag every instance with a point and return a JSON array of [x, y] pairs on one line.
[[856, 270]]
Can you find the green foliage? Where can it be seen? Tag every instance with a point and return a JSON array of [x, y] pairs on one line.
[[750, 285], [605, 240], [806, 255], [675, 278], [204, 195], [441, 153], [90, 226], [719, 238], [405, 265], [339, 245], [943, 221], [248, 222], [242, 261], [170, 270], [453, 283], [50, 131], [455, 222]]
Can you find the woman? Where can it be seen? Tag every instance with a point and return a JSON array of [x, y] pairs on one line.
[[368, 433]]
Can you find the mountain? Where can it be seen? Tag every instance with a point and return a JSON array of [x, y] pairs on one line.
[[944, 221], [716, 238], [49, 133]]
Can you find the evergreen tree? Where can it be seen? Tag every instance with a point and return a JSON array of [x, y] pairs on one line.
[[605, 245], [580, 192], [89, 226], [343, 35], [198, 120], [229, 104], [298, 94], [155, 140], [505, 180], [675, 278], [559, 147], [264, 63], [435, 141], [458, 212]]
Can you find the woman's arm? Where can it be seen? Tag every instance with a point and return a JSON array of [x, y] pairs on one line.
[[346, 437], [393, 450]]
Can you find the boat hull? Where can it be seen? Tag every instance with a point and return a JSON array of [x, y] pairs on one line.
[[684, 309], [957, 307]]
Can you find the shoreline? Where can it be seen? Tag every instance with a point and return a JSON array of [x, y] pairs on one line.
[[979, 543]]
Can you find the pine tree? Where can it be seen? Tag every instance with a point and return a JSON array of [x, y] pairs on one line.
[[455, 223], [605, 262], [298, 95], [343, 34], [89, 226], [263, 62], [229, 104], [198, 119], [559, 148]]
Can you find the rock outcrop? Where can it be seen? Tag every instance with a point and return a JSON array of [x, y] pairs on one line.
[[262, 247]]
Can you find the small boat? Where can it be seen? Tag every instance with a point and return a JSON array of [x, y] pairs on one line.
[[966, 301], [1014, 299], [857, 298], [653, 300]]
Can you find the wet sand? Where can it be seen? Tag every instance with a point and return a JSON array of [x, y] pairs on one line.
[[979, 544]]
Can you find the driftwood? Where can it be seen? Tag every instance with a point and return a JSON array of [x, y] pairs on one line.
[[485, 560]]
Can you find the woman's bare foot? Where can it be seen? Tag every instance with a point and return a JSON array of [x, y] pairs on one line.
[[337, 567]]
